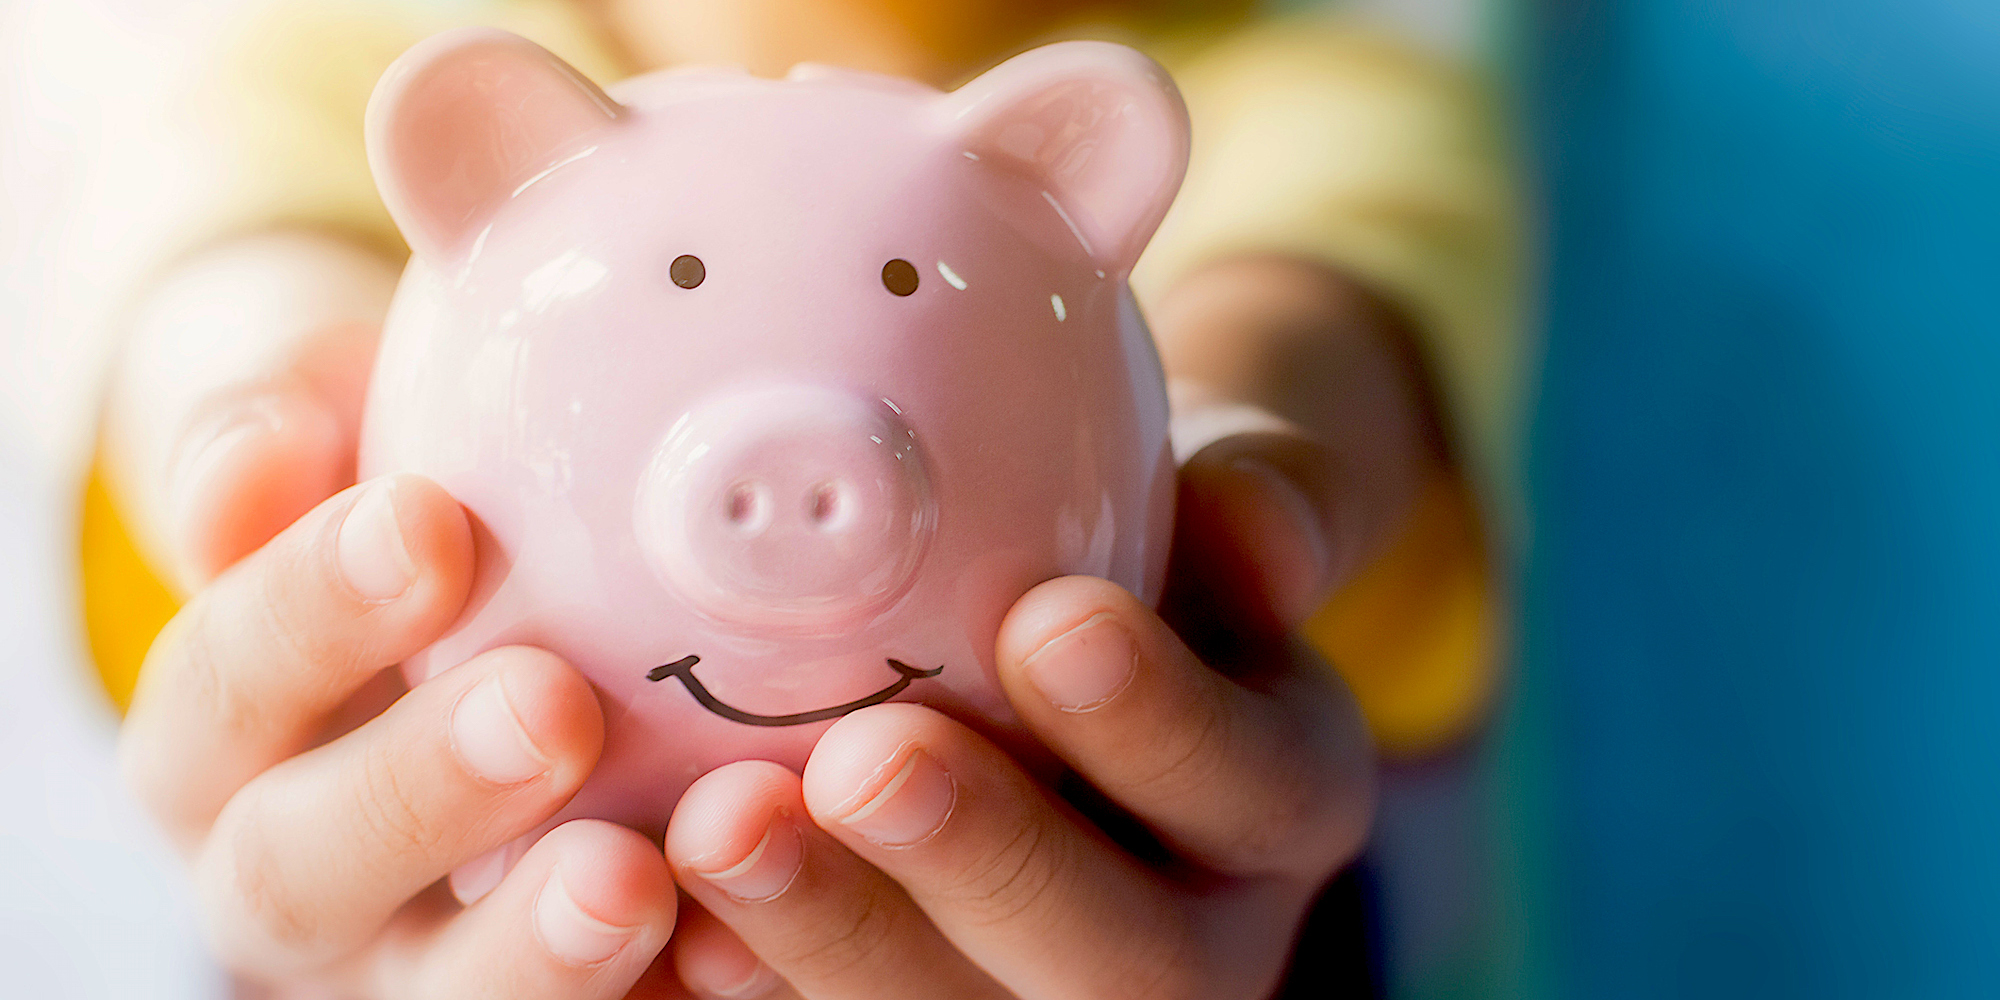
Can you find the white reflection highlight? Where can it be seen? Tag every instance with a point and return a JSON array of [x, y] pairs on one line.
[[567, 276], [1061, 313], [558, 165], [1081, 239], [951, 276]]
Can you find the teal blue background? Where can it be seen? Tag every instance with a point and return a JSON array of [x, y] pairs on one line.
[[1755, 748]]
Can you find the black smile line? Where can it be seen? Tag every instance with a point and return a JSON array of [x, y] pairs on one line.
[[683, 668]]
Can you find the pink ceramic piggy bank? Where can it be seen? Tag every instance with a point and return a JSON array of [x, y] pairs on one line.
[[770, 397]]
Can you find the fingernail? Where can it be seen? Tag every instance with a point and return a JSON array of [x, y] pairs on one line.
[[766, 872], [370, 547], [1313, 549], [761, 980], [1203, 416], [490, 739], [571, 935], [471, 881], [1085, 667], [910, 808]]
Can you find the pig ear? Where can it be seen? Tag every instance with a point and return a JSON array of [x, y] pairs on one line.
[[1100, 125], [462, 120]]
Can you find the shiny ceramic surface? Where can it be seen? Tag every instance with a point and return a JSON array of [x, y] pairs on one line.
[[770, 397]]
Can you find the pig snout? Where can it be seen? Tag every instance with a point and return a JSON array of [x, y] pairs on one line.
[[787, 506]]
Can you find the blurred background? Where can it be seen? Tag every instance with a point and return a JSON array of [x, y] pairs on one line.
[[1723, 719]]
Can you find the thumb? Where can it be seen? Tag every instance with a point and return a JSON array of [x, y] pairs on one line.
[[235, 407], [1268, 521]]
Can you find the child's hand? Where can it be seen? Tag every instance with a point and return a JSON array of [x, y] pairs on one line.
[[317, 852], [915, 858], [309, 843]]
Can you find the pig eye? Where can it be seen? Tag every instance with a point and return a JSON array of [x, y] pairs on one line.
[[686, 270], [899, 276]]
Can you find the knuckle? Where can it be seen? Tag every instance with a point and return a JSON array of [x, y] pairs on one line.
[[139, 753], [213, 680], [1324, 802], [1289, 825], [151, 762], [155, 787], [393, 822], [1198, 742], [251, 909], [1297, 816], [1161, 959], [1274, 781], [848, 941], [1015, 877], [290, 627]]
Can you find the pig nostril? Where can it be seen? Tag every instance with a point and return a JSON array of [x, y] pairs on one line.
[[828, 507], [747, 508]]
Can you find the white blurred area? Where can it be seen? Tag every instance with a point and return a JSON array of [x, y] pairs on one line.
[[100, 171], [91, 901], [92, 905]]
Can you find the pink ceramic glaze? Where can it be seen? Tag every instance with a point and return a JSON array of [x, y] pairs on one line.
[[770, 397]]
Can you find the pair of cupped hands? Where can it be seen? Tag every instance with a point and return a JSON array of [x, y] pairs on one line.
[[1220, 775]]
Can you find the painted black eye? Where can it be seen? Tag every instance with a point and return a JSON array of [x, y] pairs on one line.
[[899, 276], [687, 271]]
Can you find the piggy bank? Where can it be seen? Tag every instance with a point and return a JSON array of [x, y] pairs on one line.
[[768, 398]]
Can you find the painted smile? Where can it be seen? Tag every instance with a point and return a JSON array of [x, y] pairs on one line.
[[683, 668]]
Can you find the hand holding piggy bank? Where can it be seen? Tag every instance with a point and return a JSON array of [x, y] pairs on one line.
[[769, 397]]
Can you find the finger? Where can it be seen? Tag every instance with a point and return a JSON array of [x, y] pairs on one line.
[[312, 857], [251, 463], [582, 916], [247, 673], [1314, 354], [257, 455], [1015, 883], [1275, 781], [234, 405], [660, 981], [1266, 525], [713, 962], [822, 919]]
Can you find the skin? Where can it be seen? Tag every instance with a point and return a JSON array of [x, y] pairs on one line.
[[1225, 777], [318, 809]]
